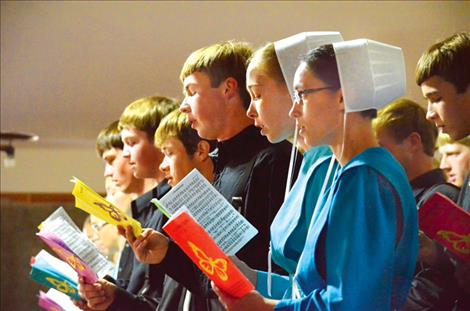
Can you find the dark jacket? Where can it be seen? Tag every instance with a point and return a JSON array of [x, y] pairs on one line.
[[136, 290], [251, 174]]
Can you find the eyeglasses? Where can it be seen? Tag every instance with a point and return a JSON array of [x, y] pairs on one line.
[[299, 96]]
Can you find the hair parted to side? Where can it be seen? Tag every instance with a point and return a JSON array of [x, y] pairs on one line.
[[108, 138], [403, 117], [321, 61], [221, 61], [444, 139], [176, 125], [448, 59], [146, 113], [265, 59]]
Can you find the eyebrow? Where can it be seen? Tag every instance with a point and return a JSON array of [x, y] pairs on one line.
[[253, 85], [426, 95]]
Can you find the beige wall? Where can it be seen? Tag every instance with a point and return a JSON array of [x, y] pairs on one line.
[[49, 170]]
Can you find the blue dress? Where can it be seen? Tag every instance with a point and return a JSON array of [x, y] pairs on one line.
[[288, 237], [361, 245]]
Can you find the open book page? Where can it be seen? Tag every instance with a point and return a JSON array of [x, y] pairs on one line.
[[94, 204], [204, 252], [230, 230], [54, 300], [447, 223], [54, 273], [74, 247]]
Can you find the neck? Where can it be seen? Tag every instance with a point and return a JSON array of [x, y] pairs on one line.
[[358, 137], [149, 184], [207, 169], [422, 164], [236, 121]]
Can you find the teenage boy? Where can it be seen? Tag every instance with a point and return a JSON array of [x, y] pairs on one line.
[[443, 73], [184, 151], [134, 289], [249, 172], [125, 188]]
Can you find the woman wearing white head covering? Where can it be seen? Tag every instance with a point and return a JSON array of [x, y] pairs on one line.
[[269, 77], [362, 240]]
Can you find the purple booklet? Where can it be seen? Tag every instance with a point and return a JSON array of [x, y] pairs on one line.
[[54, 300], [67, 255], [47, 303]]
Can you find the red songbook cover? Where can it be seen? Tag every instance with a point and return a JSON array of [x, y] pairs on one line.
[[447, 223], [206, 254]]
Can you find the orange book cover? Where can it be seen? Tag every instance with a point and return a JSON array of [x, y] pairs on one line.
[[206, 254], [447, 223]]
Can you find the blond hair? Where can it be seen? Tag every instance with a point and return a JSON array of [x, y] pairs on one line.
[[146, 113]]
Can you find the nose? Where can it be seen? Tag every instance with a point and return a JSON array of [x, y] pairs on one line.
[[251, 112], [108, 170], [295, 110], [164, 166], [184, 107], [430, 114], [126, 153], [444, 165]]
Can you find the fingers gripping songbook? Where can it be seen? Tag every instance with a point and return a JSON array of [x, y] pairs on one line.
[[206, 254], [229, 229]]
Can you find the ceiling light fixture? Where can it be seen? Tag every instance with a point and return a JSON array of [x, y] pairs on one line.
[[8, 147]]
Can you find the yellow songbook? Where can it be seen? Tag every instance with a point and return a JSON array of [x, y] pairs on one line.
[[94, 204]]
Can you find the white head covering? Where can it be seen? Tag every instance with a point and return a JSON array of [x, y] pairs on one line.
[[372, 74], [290, 50]]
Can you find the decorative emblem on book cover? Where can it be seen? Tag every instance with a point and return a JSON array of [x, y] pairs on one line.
[[460, 243], [111, 210], [62, 286], [71, 259], [211, 266]]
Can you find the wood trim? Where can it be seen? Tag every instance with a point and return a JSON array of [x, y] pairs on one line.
[[38, 197]]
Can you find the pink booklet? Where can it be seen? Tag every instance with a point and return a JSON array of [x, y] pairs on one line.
[[67, 255]]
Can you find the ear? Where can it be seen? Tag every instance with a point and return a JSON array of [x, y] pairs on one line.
[[230, 87], [202, 151], [414, 142]]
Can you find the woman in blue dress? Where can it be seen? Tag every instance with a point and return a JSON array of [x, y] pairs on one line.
[[361, 245], [269, 77]]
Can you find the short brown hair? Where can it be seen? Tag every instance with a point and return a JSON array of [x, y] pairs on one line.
[[146, 113], [108, 138], [221, 61], [449, 59], [403, 117]]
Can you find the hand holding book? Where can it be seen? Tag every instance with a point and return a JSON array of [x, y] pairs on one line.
[[150, 247]]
